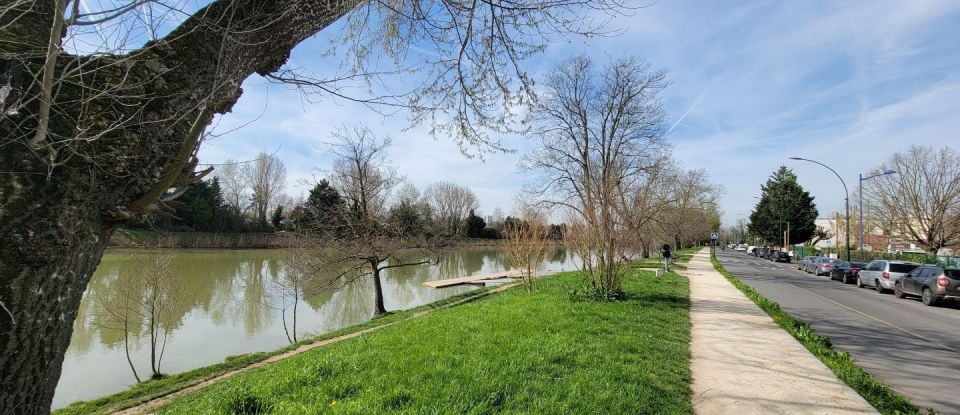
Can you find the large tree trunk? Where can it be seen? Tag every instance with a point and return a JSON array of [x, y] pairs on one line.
[[379, 309], [46, 259], [105, 146]]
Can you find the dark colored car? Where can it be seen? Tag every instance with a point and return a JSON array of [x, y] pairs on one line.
[[760, 252], [931, 283], [771, 254], [782, 256], [846, 271]]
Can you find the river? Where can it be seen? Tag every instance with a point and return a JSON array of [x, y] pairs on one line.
[[226, 308]]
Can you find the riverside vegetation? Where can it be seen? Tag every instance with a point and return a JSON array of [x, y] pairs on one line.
[[546, 352]]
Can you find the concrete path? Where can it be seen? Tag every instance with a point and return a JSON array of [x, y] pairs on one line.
[[911, 347], [743, 363]]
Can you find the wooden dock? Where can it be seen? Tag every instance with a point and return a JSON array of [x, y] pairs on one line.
[[471, 279]]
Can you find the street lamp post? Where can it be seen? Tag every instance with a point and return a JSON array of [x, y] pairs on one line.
[[846, 199], [886, 172]]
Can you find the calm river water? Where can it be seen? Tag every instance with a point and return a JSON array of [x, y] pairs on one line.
[[227, 310]]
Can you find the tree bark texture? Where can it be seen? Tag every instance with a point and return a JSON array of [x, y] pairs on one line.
[[106, 157], [378, 293]]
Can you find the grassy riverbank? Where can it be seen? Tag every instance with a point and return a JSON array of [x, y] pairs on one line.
[[534, 353], [153, 389]]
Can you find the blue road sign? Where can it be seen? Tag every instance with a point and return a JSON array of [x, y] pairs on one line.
[[715, 236]]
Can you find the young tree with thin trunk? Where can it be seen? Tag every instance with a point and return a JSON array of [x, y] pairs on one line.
[[922, 202], [147, 301], [117, 313], [291, 286], [93, 135], [525, 245]]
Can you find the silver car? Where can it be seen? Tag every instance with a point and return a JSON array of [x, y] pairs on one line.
[[804, 264], [882, 274], [824, 265]]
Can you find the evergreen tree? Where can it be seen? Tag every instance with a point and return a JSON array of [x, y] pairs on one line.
[[475, 225], [199, 205], [783, 203], [321, 207], [277, 217]]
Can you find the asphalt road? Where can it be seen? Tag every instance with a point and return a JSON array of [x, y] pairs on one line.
[[913, 348]]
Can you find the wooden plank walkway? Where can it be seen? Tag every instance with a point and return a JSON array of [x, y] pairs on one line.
[[472, 278]]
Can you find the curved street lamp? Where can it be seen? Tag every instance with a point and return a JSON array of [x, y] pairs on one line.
[[846, 199], [886, 172]]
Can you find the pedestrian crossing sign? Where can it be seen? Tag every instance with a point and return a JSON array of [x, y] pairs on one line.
[[715, 236]]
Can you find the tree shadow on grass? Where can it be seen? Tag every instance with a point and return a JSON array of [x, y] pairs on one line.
[[648, 299]]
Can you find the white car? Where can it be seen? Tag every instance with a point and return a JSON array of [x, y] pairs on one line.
[[882, 274]]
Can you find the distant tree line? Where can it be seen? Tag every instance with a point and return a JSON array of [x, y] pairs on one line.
[[248, 197]]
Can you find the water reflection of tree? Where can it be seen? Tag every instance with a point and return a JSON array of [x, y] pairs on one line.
[[255, 312], [227, 285], [458, 263], [559, 256]]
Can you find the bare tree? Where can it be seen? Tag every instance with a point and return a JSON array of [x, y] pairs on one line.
[[146, 301], [361, 242], [646, 200], [598, 132], [451, 204], [692, 213], [922, 202], [102, 111], [266, 177], [409, 194], [117, 312], [290, 286], [234, 184], [525, 243]]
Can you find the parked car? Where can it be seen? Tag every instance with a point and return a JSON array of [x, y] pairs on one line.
[[804, 264], [882, 274], [782, 256], [771, 254], [931, 283], [823, 265], [846, 271], [750, 249]]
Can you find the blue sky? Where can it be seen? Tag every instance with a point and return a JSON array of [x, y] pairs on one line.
[[845, 83]]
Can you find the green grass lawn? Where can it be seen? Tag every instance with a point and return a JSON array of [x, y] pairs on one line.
[[513, 352]]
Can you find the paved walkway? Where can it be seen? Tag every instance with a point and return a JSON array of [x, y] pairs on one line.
[[743, 363]]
